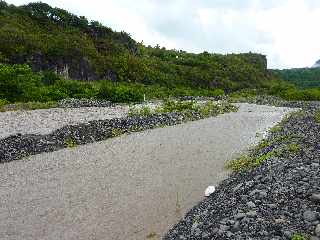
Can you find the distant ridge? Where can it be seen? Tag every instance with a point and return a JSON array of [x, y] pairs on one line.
[[317, 64]]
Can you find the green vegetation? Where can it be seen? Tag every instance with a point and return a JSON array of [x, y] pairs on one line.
[[291, 93], [70, 143], [141, 111], [3, 103], [317, 116], [177, 106], [275, 145], [116, 132], [293, 148], [42, 48], [206, 109], [19, 84], [248, 161], [27, 106], [303, 84], [256, 155], [298, 237], [152, 235], [285, 91], [301, 77], [243, 95], [54, 40]]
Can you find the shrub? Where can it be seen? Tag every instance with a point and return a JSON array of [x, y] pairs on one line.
[[49, 78], [178, 106], [119, 93], [317, 116], [298, 237], [3, 102], [72, 88], [217, 92], [18, 83], [188, 107]]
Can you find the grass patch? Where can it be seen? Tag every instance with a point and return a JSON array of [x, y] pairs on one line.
[[152, 235], [293, 148], [275, 129], [276, 145], [140, 111], [3, 102], [70, 143], [298, 237], [262, 144], [248, 161], [116, 132], [245, 95], [27, 106], [206, 109], [317, 116], [253, 158], [177, 106]]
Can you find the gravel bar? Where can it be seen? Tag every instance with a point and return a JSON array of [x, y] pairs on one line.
[[45, 121]]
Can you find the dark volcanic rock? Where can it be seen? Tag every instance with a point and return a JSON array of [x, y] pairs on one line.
[[19, 146], [272, 201], [77, 103]]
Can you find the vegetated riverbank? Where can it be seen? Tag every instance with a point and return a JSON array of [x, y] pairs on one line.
[[170, 113], [274, 192]]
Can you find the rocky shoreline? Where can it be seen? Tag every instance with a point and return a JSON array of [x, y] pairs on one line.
[[280, 199]]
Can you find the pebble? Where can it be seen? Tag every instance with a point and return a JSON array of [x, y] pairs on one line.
[[310, 216], [317, 230], [315, 197]]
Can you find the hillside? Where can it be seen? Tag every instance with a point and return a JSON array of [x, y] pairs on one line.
[[301, 77], [53, 39]]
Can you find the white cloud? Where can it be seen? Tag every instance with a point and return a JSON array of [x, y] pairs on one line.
[[285, 30], [292, 27]]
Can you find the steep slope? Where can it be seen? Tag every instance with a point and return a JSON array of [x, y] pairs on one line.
[[301, 77], [53, 39]]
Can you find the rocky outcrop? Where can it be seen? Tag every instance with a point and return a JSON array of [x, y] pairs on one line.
[[67, 67]]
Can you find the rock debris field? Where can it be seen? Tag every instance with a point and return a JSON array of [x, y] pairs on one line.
[[280, 199], [136, 186]]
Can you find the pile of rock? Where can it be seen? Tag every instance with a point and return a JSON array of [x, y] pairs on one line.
[[77, 103], [19, 146], [279, 199]]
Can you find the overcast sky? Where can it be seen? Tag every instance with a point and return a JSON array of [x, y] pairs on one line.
[[287, 31]]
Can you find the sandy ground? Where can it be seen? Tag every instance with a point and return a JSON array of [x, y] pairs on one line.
[[131, 187], [44, 121]]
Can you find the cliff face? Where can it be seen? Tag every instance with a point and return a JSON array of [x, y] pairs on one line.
[[67, 67]]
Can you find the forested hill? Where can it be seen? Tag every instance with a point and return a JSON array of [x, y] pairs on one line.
[[301, 77], [49, 38]]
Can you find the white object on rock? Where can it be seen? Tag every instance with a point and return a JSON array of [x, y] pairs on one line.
[[209, 191]]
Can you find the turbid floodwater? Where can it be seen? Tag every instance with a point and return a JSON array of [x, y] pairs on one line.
[[131, 187]]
